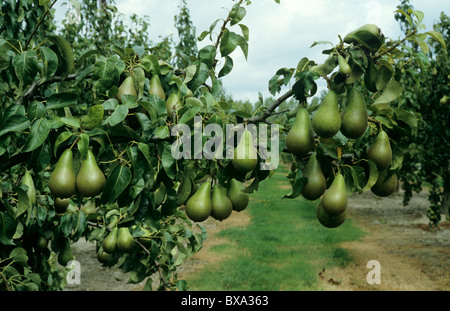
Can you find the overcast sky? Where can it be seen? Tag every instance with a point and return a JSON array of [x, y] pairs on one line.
[[280, 34]]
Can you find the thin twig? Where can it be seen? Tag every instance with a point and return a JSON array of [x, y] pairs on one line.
[[37, 83], [39, 24]]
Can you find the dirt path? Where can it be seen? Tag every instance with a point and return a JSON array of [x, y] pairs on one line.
[[411, 256]]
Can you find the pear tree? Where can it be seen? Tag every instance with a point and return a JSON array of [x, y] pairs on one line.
[[94, 127]]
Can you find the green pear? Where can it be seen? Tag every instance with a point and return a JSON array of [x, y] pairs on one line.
[[61, 204], [65, 255], [62, 182], [326, 122], [126, 88], [173, 104], [370, 77], [31, 192], [221, 205], [330, 221], [184, 190], [109, 244], [245, 155], [125, 241], [335, 199], [90, 179], [380, 151], [41, 243], [198, 207], [316, 182], [238, 198], [344, 67], [385, 184], [300, 138], [104, 257], [156, 88], [355, 117]]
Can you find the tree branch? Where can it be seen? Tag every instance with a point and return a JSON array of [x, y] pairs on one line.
[[270, 109], [30, 92], [39, 24]]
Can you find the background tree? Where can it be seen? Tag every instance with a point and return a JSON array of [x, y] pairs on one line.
[[426, 164], [187, 39]]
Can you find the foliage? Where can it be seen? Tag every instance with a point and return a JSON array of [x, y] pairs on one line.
[[426, 88], [58, 94]]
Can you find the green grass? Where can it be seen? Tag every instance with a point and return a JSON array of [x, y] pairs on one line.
[[283, 248]]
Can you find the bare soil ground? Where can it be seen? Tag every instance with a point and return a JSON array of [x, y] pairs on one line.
[[412, 257]]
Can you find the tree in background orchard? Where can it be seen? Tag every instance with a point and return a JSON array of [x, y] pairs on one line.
[[426, 164]]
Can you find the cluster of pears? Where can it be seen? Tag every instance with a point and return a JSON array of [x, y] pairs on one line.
[[331, 212], [119, 238], [327, 122], [128, 87], [63, 183], [218, 203], [380, 152]]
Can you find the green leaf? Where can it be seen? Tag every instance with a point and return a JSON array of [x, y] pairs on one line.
[[207, 55], [65, 52], [61, 100], [189, 115], [168, 162], [83, 145], [15, 123], [373, 175], [409, 118], [243, 44], [117, 181], [106, 73], [38, 134], [119, 114], [200, 77], [237, 14], [245, 31], [408, 18], [151, 64], [25, 67], [35, 110], [145, 149], [305, 85], [228, 42], [7, 228], [94, 117], [66, 224], [23, 201], [71, 122], [190, 73], [49, 61], [203, 35], [60, 139], [297, 183], [438, 37], [19, 255], [162, 131], [392, 91]]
